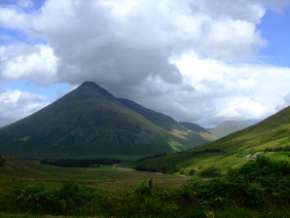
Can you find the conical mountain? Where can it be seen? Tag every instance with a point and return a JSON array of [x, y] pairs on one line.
[[89, 121], [269, 138]]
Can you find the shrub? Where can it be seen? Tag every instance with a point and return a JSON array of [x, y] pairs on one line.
[[69, 199], [258, 184], [2, 161], [210, 172], [145, 201], [80, 162], [192, 172]]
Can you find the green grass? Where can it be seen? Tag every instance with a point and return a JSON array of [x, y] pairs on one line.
[[34, 216], [237, 212], [113, 179], [267, 138], [258, 189], [106, 177]]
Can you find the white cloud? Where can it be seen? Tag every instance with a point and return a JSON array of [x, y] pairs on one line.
[[16, 104], [233, 91], [237, 107], [185, 58], [35, 63], [11, 18]]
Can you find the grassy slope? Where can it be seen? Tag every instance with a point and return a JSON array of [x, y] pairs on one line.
[[157, 118], [101, 127], [271, 137], [182, 135]]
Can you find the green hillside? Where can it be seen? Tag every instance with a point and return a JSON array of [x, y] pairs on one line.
[[90, 121], [157, 118], [268, 138]]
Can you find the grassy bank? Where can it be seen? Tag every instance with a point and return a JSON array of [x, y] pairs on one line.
[[260, 188]]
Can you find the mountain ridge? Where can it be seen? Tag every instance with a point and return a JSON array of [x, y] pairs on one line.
[[91, 121]]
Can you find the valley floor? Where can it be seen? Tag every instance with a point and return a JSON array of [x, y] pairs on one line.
[[106, 177], [258, 190]]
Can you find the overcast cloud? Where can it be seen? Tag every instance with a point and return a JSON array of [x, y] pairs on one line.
[[196, 60], [16, 104]]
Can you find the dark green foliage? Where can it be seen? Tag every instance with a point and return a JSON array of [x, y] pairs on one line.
[[160, 169], [170, 163], [70, 199], [80, 162], [192, 172], [259, 189], [148, 201], [158, 119], [238, 212], [2, 161], [278, 149], [209, 172], [258, 184], [152, 157]]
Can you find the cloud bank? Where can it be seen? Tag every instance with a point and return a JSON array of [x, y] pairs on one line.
[[196, 60], [16, 104]]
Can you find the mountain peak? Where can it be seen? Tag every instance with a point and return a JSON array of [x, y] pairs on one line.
[[91, 89], [89, 121], [89, 84]]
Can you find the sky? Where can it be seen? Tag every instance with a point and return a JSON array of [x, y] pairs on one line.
[[202, 61]]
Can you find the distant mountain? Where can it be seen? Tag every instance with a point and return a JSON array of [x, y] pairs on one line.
[[231, 126], [194, 127], [269, 138], [90, 121]]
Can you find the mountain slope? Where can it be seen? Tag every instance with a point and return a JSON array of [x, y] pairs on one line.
[[199, 131], [231, 126], [158, 119], [184, 137], [90, 121], [193, 127], [270, 138]]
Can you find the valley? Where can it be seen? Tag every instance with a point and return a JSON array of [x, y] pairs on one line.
[[35, 190], [269, 138], [113, 178], [91, 154], [144, 109]]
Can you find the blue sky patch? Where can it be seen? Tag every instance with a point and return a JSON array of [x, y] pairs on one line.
[[51, 92], [275, 27]]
